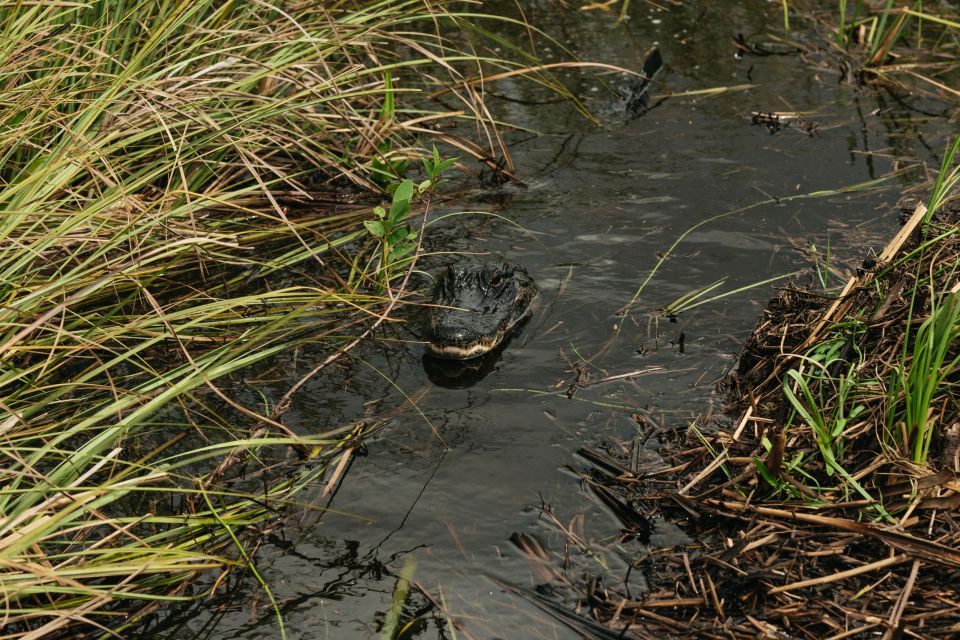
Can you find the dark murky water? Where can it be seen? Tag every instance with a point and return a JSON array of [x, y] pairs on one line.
[[447, 488]]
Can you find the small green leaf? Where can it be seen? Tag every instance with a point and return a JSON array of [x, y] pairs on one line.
[[375, 227], [762, 468], [389, 104], [399, 167], [423, 186], [402, 250], [398, 211], [397, 236], [380, 211], [404, 191]]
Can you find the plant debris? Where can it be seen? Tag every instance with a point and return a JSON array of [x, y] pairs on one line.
[[794, 535]]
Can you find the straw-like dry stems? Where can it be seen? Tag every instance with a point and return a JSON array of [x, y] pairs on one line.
[[160, 163]]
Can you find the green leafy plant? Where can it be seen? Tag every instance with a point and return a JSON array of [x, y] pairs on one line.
[[397, 239], [824, 393], [828, 425], [434, 168]]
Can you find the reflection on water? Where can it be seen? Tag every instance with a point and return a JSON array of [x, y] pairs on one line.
[[461, 374]]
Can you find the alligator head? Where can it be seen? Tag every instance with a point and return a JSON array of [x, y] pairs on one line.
[[475, 306]]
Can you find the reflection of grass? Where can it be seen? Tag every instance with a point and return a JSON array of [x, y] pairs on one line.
[[153, 162], [902, 45], [392, 628]]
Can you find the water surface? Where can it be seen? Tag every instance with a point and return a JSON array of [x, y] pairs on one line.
[[446, 484]]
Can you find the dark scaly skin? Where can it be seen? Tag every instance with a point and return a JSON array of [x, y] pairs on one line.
[[475, 306]]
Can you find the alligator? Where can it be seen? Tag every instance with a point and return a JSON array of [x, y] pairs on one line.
[[475, 306]]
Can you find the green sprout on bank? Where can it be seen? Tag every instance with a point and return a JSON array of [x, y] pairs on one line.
[[920, 381], [398, 240], [822, 264], [385, 168]]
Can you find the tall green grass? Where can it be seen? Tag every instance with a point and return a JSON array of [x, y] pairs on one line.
[[154, 161], [922, 378]]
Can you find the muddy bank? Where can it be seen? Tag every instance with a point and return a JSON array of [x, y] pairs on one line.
[[808, 514]]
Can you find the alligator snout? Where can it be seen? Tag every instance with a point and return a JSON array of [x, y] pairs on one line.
[[450, 333], [474, 307]]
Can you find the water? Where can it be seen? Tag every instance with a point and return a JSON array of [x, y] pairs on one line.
[[445, 484]]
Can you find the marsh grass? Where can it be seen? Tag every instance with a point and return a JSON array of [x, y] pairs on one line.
[[872, 382], [157, 164], [911, 48]]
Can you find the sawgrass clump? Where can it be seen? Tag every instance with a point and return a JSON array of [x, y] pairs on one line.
[[160, 163]]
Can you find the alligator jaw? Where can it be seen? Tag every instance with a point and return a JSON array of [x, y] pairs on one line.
[[482, 346], [456, 352]]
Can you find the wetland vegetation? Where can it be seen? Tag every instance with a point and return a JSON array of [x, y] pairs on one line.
[[192, 190], [166, 168], [825, 503]]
